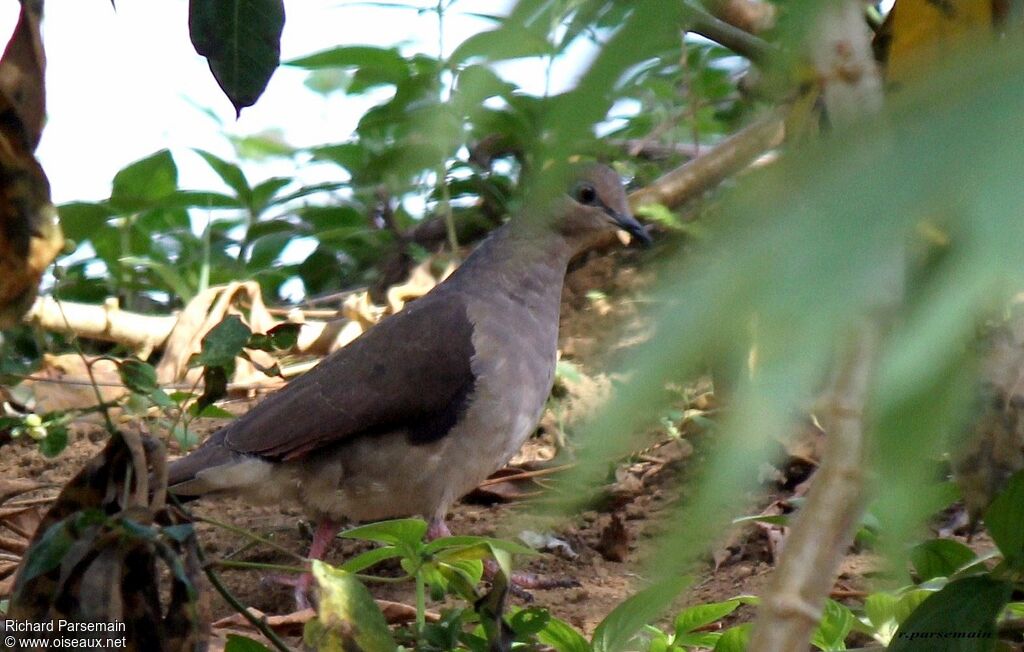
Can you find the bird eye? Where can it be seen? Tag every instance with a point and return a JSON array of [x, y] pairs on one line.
[[585, 194]]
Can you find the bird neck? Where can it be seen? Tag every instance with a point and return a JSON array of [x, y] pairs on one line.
[[518, 262]]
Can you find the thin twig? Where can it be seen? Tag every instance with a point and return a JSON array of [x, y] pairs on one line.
[[525, 475], [258, 623], [246, 533], [745, 44]]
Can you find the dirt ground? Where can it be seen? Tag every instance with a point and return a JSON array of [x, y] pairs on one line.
[[606, 551]]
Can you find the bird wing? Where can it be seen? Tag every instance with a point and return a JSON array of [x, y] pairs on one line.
[[411, 372]]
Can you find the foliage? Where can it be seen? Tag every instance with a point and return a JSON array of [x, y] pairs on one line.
[[794, 256]]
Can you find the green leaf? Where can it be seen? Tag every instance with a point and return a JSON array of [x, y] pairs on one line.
[[168, 274], [215, 387], [222, 344], [615, 632], [1004, 522], [959, 618], [369, 558], [138, 376], [55, 442], [79, 220], [562, 637], [142, 183], [47, 553], [880, 609], [209, 412], [404, 531], [466, 541], [529, 621], [230, 174], [237, 643], [387, 60], [241, 40], [264, 191], [834, 627], [700, 615], [348, 612], [508, 42], [279, 338], [939, 558], [734, 639]]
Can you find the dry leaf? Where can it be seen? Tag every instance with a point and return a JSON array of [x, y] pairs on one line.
[[614, 542], [30, 235]]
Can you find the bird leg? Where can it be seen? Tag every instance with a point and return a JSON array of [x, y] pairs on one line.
[[326, 531]]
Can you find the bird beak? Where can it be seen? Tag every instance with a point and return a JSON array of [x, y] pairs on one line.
[[628, 223]]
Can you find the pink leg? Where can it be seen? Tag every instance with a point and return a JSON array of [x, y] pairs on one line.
[[437, 529], [325, 533]]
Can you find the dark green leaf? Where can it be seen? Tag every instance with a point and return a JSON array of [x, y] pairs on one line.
[[222, 344], [959, 618], [144, 182], [215, 387], [939, 558], [529, 621], [48, 552], [241, 40], [238, 643], [615, 632], [138, 376], [56, 440], [1004, 522]]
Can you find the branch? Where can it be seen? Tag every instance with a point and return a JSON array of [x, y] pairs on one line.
[[824, 528], [723, 160], [742, 43]]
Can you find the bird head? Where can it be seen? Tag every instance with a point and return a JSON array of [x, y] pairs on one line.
[[596, 204]]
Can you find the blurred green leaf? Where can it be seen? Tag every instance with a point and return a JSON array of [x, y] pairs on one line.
[[144, 182], [79, 220], [940, 558], [138, 376], [836, 623], [230, 173], [734, 639], [1004, 522], [347, 615], [405, 531], [237, 643], [618, 628], [960, 617]]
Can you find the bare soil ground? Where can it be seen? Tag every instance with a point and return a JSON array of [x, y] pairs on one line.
[[607, 561]]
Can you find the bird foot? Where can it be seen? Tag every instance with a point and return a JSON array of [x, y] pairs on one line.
[[302, 585]]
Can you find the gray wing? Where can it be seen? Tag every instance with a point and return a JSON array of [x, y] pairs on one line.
[[411, 372]]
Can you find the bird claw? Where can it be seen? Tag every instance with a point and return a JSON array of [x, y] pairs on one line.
[[302, 585]]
